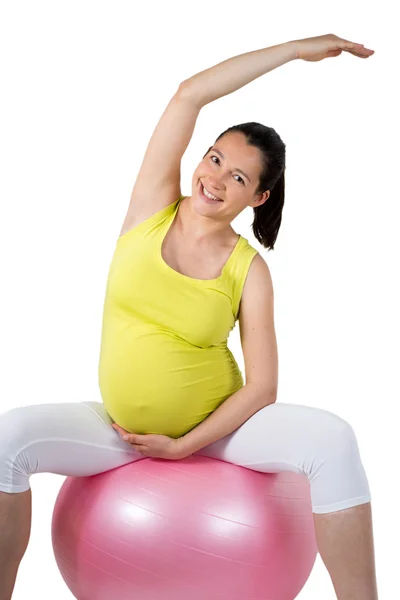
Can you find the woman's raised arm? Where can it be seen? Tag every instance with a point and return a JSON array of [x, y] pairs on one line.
[[234, 73], [158, 183]]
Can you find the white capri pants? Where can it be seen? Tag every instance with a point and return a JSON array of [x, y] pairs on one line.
[[77, 439]]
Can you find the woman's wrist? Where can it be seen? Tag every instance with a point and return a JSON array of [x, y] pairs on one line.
[[294, 49]]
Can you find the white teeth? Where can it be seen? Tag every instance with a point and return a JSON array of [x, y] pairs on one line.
[[206, 193]]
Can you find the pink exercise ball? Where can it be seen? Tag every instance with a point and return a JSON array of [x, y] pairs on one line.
[[193, 529]]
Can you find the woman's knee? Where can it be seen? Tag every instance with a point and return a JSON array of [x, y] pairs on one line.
[[316, 430], [337, 477], [14, 432], [337, 450], [14, 427], [317, 437], [337, 434], [311, 429]]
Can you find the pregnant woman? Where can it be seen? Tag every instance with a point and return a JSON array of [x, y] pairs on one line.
[[179, 280]]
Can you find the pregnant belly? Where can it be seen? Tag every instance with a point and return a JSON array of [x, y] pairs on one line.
[[161, 384]]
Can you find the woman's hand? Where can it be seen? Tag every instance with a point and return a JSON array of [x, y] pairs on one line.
[[153, 445], [329, 45]]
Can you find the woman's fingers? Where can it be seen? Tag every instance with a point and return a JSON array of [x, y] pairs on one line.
[[118, 428], [330, 45], [122, 432], [364, 53], [355, 48]]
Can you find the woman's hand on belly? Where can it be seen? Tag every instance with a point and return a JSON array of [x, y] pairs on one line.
[[153, 445]]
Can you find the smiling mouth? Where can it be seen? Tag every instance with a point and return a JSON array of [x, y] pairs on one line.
[[202, 190]]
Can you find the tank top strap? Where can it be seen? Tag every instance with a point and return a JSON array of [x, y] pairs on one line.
[[238, 272]]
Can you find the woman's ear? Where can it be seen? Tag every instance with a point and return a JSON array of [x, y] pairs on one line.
[[262, 198]]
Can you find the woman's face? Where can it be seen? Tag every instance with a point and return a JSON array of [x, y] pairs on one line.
[[230, 171]]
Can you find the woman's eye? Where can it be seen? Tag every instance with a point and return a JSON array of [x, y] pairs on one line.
[[213, 156]]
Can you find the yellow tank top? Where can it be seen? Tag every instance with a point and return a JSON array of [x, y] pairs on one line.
[[164, 361]]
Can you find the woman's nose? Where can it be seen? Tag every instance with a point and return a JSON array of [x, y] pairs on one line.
[[215, 184]]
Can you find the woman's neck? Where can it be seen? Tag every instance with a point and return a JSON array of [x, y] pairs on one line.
[[201, 230]]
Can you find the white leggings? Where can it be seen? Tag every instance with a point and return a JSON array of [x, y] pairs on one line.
[[77, 439]]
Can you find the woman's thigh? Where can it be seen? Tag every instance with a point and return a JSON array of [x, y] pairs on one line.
[[305, 440], [72, 439], [277, 435]]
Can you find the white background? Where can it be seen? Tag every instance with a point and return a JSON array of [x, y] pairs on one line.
[[83, 86]]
